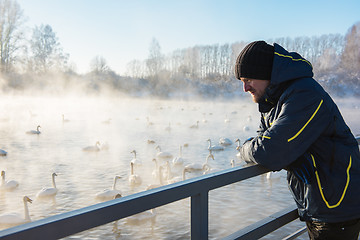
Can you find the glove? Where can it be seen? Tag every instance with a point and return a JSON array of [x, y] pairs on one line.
[[303, 168]]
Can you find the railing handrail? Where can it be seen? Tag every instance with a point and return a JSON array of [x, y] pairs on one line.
[[76, 221]]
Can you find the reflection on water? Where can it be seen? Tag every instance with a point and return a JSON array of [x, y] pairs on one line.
[[121, 126]]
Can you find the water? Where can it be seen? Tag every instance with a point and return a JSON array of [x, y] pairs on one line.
[[33, 158]]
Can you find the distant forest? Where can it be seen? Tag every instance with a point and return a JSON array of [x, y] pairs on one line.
[[39, 63]]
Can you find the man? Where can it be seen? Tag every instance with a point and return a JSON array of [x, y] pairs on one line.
[[302, 131]]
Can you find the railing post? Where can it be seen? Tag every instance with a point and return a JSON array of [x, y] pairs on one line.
[[200, 215]]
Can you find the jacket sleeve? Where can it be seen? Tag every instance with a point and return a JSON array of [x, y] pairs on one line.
[[303, 117]]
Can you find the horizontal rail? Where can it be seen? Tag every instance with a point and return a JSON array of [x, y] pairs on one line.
[[266, 225], [296, 234], [79, 220]]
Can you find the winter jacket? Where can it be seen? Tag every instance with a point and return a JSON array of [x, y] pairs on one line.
[[303, 131]]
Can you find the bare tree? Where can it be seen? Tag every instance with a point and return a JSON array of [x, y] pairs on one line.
[[11, 34], [154, 62], [351, 54], [99, 65], [47, 53]]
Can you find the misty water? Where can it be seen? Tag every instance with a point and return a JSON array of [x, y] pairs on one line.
[[122, 125]]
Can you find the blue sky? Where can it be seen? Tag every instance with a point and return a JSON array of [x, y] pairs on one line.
[[121, 31]]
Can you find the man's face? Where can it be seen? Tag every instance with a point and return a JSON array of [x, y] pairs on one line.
[[255, 87]]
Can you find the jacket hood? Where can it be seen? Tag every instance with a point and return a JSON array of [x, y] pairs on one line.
[[289, 66]]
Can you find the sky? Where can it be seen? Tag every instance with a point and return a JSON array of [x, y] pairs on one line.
[[121, 30]]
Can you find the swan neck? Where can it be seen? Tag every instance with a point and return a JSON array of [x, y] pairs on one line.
[[114, 184], [132, 169], [53, 181], [27, 215], [160, 176]]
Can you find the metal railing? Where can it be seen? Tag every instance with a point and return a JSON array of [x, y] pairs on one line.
[[197, 189]]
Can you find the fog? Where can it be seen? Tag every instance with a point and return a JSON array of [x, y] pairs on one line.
[[125, 123]]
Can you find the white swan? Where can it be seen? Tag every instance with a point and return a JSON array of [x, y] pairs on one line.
[[167, 174], [3, 152], [195, 125], [13, 219], [64, 119], [214, 147], [142, 217], [168, 128], [134, 179], [238, 155], [7, 185], [47, 192], [225, 141], [148, 121], [108, 121], [232, 162], [178, 178], [162, 155], [195, 167], [94, 148], [135, 161], [207, 168], [178, 160], [108, 194], [151, 186], [37, 131]]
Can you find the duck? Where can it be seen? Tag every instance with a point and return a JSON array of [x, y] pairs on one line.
[[134, 179], [225, 141], [108, 194], [37, 131], [3, 152], [135, 161], [162, 155], [178, 161], [94, 148], [48, 192], [214, 147], [7, 185], [13, 219]]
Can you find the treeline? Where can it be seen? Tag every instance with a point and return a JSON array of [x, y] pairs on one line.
[[36, 61]]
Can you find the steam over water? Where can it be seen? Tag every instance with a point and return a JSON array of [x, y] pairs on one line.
[[124, 125]]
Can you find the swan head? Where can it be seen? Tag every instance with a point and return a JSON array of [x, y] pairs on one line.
[[117, 196], [237, 140], [158, 148], [27, 199], [54, 175], [134, 152], [3, 173]]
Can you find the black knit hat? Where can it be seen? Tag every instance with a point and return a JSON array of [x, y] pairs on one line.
[[255, 61]]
